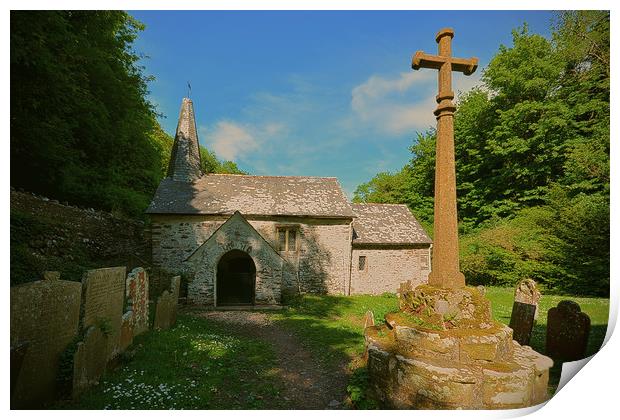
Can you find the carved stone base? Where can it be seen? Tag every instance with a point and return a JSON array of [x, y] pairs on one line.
[[445, 351]]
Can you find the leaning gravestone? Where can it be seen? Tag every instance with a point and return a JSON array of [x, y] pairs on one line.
[[166, 309], [567, 332], [137, 290], [369, 319], [524, 311], [127, 328], [90, 359], [45, 315], [103, 294]]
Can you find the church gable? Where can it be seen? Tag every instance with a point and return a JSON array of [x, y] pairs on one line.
[[236, 234]]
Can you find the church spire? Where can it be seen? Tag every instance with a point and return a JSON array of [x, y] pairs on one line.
[[185, 158]]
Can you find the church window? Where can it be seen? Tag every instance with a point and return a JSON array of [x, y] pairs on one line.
[[287, 239], [361, 265], [292, 239]]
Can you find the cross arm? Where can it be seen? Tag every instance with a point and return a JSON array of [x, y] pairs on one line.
[[427, 61], [464, 65]]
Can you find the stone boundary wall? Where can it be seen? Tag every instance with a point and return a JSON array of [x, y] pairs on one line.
[[47, 235]]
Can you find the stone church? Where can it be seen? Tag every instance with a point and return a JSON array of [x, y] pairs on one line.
[[245, 239]]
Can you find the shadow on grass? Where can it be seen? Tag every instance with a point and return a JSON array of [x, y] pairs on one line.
[[332, 326], [195, 365]]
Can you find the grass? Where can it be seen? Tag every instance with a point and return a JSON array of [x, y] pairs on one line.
[[202, 364], [332, 326], [198, 364], [597, 309]]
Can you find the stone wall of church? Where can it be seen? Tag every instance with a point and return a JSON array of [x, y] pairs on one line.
[[386, 268], [321, 263], [235, 234]]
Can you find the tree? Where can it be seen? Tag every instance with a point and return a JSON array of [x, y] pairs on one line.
[[211, 164], [532, 153], [80, 120]]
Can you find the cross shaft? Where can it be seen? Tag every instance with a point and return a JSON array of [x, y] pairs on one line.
[[445, 270]]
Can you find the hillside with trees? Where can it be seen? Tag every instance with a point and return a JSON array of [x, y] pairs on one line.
[[532, 152], [82, 127]]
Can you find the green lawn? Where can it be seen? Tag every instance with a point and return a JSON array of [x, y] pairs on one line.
[[195, 365], [597, 309], [201, 364], [332, 325]]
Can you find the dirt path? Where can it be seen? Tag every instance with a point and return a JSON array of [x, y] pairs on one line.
[[308, 384]]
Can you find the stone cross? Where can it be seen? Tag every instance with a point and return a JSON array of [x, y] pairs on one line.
[[445, 271]]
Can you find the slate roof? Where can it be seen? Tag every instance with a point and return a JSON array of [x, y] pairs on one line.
[[387, 224], [252, 195]]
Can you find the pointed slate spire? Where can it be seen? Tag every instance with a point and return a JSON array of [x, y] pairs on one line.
[[185, 157]]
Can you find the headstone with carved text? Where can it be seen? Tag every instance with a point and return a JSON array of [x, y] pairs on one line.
[[103, 295], [45, 315]]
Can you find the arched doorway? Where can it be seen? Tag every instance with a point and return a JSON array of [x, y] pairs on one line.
[[236, 277]]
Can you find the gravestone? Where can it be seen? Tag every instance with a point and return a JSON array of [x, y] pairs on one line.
[[137, 290], [127, 329], [45, 315], [524, 311], [17, 358], [527, 292], [102, 297], [369, 319], [166, 309], [163, 311], [567, 332], [90, 359]]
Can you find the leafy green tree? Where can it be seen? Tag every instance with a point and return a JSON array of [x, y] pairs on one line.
[[82, 129], [211, 164], [532, 152], [80, 122]]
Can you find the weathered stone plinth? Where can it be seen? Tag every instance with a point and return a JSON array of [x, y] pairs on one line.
[[443, 350]]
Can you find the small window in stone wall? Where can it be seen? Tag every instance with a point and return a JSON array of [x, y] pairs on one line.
[[424, 260], [361, 265], [287, 239]]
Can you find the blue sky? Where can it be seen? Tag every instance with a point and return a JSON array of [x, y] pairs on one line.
[[312, 93]]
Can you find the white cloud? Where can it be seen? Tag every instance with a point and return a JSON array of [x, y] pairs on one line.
[[232, 141], [395, 106], [378, 87]]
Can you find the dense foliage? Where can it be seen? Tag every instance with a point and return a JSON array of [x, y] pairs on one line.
[[532, 150], [82, 129]]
